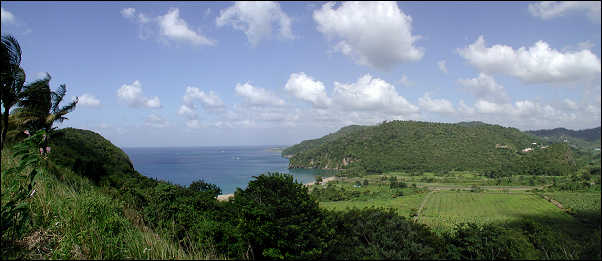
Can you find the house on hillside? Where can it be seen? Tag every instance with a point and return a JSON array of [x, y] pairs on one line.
[[527, 149]]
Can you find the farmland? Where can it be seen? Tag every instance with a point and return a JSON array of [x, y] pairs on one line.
[[444, 209], [443, 200]]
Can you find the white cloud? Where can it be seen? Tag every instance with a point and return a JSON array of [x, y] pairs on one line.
[[570, 104], [405, 81], [209, 101], [257, 96], [132, 95], [187, 111], [7, 17], [193, 124], [371, 94], [484, 87], [378, 34], [155, 121], [175, 28], [168, 27], [88, 100], [435, 105], [536, 64], [442, 66], [463, 108], [255, 19], [305, 88], [128, 12], [553, 9]]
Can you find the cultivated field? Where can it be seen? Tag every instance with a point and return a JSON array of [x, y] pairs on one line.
[[444, 209], [443, 201]]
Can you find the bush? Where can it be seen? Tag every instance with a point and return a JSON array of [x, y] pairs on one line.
[[373, 233], [278, 219], [470, 241]]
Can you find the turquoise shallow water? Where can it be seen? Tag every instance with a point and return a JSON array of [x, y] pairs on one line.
[[227, 167]]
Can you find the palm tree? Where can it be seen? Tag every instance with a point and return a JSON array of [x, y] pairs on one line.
[[40, 107], [12, 79]]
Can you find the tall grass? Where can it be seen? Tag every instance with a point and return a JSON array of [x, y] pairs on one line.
[[72, 219]]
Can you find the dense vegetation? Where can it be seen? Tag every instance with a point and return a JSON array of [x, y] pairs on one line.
[[587, 134], [426, 146], [274, 217]]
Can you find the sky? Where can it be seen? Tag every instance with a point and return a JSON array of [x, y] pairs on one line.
[[156, 74]]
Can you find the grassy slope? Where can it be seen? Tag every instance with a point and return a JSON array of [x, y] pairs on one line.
[[73, 217]]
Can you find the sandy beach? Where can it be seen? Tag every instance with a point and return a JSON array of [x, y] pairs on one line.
[[324, 180]]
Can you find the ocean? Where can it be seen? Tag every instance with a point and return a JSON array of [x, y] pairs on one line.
[[227, 167]]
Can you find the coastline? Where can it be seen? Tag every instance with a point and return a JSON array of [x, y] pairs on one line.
[[226, 197]]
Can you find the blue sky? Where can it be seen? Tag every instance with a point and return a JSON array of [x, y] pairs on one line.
[[206, 74]]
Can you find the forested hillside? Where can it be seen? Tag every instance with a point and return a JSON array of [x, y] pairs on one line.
[[584, 139], [427, 146]]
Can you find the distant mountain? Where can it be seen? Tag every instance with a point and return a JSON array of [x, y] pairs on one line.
[[587, 134], [587, 138], [424, 146]]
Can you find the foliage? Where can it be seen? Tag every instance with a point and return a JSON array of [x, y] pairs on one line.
[[32, 154], [278, 219], [487, 242], [204, 187], [40, 107], [373, 233], [12, 78], [425, 146]]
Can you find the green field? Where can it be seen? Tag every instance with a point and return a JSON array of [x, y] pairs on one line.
[[403, 205], [451, 201], [582, 205], [444, 209]]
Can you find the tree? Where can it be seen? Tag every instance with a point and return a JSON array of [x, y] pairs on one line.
[[278, 219], [40, 107], [204, 187], [12, 79]]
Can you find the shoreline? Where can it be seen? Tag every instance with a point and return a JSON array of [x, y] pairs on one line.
[[226, 197]]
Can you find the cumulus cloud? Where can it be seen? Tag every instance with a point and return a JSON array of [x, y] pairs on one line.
[[570, 104], [405, 81], [132, 95], [170, 26], [128, 12], [209, 101], [255, 19], [536, 64], [155, 121], [306, 88], [371, 94], [528, 114], [7, 17], [435, 105], [442, 66], [257, 96], [549, 10], [486, 88], [377, 34], [87, 100], [175, 28]]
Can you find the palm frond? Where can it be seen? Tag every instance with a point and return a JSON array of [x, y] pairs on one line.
[[57, 97], [13, 49]]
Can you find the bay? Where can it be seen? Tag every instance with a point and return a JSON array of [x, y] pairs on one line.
[[228, 167]]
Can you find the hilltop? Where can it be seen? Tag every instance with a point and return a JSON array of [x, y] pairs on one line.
[[428, 146], [586, 138]]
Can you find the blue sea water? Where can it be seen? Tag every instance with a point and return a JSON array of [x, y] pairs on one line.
[[227, 167]]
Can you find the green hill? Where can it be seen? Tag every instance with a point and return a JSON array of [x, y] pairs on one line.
[[427, 146], [90, 203], [584, 139]]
